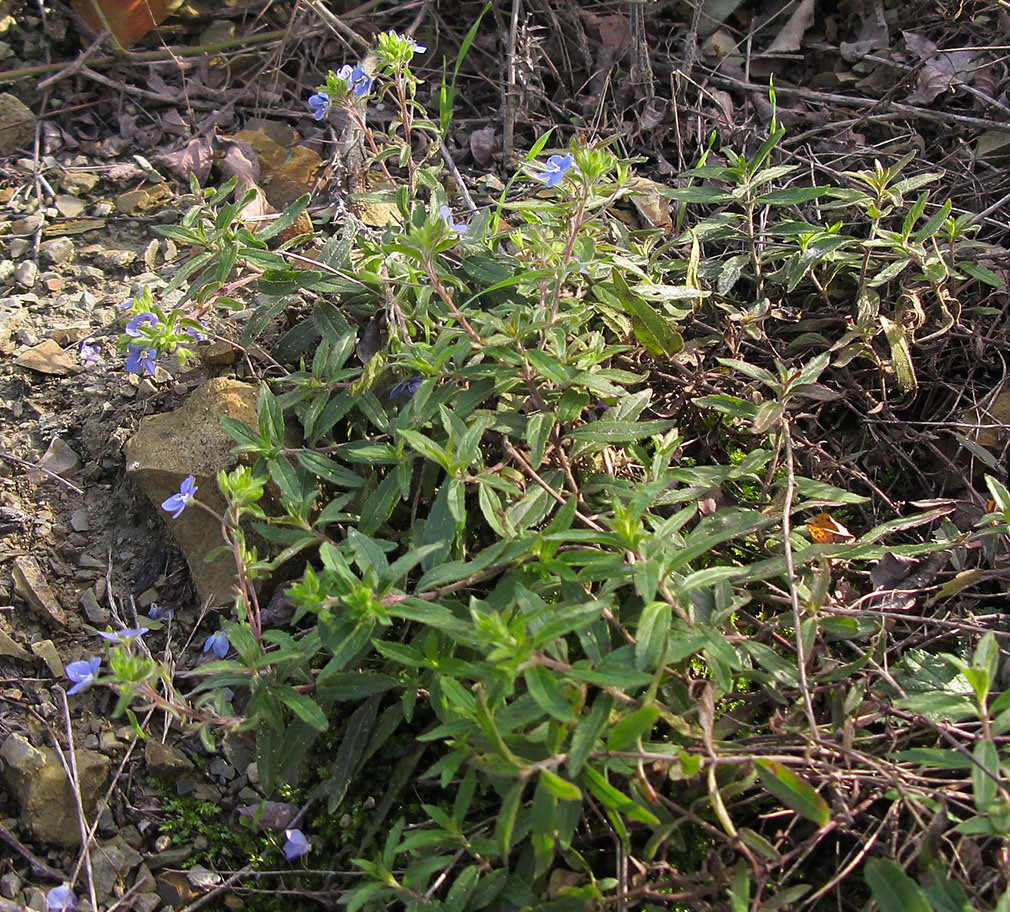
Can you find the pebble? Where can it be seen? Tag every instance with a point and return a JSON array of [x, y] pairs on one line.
[[25, 273], [57, 251], [10, 883], [97, 615], [115, 259], [18, 247], [46, 650], [70, 206]]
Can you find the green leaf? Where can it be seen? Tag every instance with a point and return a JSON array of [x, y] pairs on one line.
[[505, 823], [587, 732], [793, 792], [562, 788], [545, 690], [984, 774], [632, 727], [611, 432], [901, 356], [654, 330], [614, 799], [893, 889], [302, 706]]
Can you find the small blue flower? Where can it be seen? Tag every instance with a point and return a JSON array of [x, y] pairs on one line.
[[217, 643], [407, 387], [121, 636], [82, 673], [296, 845], [159, 613], [359, 81], [555, 169], [458, 227], [138, 357], [178, 501], [61, 898], [88, 351], [137, 321], [320, 104]]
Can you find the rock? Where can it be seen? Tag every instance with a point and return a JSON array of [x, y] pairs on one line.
[[97, 615], [70, 206], [12, 315], [47, 358], [115, 259], [10, 883], [36, 778], [166, 762], [78, 182], [189, 441], [79, 520], [11, 650], [25, 273], [218, 353], [18, 247], [70, 333], [31, 585], [58, 250], [17, 124], [28, 225], [112, 862], [46, 650], [146, 902], [59, 459]]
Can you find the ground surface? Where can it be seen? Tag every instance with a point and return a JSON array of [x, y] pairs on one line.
[[114, 141]]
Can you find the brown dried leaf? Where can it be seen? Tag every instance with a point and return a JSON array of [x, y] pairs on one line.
[[196, 157], [615, 31], [128, 20], [482, 146]]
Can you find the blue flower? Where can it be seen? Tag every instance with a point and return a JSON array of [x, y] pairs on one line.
[[555, 169], [178, 501], [359, 81], [217, 643], [320, 104], [122, 636], [88, 350], [138, 357], [137, 321], [159, 613], [296, 845], [61, 898], [458, 227], [81, 673], [408, 387]]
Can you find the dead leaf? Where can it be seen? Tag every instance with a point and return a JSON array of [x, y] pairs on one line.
[[653, 208], [941, 70], [196, 157], [482, 146], [872, 36], [128, 20], [615, 31], [791, 35]]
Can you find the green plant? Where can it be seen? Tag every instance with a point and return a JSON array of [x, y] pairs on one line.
[[500, 552]]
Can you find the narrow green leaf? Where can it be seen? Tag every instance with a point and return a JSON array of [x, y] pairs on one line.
[[984, 774], [562, 788], [792, 791], [545, 690], [632, 727], [893, 889]]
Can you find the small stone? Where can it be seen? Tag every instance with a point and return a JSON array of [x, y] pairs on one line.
[[47, 358], [218, 353], [17, 124], [146, 389], [18, 247], [10, 883], [12, 315], [59, 458], [58, 250], [45, 650], [97, 615], [31, 585], [115, 259], [70, 206], [165, 761], [79, 520], [108, 743], [147, 598], [68, 335], [146, 902], [27, 226], [78, 182], [12, 650], [25, 273]]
